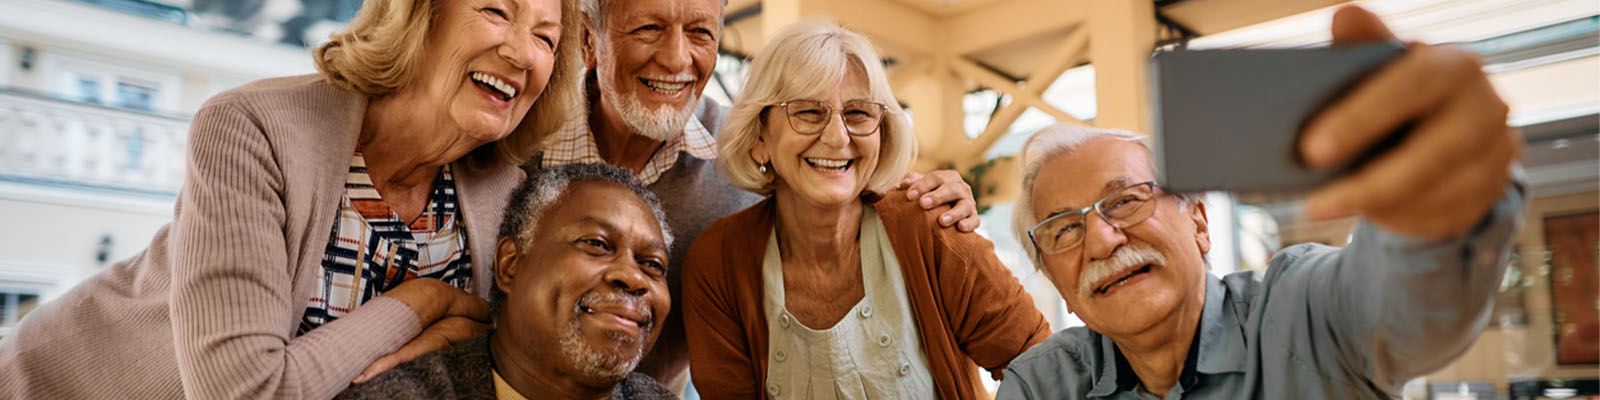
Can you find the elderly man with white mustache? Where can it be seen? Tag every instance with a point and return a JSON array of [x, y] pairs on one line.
[[1408, 294], [649, 61]]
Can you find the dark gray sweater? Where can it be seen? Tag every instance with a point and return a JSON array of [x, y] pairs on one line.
[[463, 371]]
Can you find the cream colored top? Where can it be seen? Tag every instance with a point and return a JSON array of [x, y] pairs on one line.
[[873, 353], [503, 390]]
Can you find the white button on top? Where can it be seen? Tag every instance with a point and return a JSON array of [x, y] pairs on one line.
[[866, 312], [774, 390], [885, 340], [780, 356], [783, 320]]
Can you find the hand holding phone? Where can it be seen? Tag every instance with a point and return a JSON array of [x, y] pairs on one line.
[[1438, 179]]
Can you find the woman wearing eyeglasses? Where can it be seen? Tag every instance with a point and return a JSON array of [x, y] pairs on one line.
[[833, 287]]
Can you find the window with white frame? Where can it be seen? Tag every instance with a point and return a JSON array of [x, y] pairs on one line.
[[113, 84], [15, 303]]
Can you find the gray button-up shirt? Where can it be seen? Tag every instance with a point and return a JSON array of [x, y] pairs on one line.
[[1324, 323]]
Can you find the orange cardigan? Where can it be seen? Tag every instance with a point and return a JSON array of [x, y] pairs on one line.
[[970, 310]]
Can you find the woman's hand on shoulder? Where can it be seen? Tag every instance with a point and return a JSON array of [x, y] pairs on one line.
[[944, 188], [434, 300]]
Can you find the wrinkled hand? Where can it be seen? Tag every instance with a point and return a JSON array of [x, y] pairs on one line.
[[442, 334], [433, 299], [1453, 166], [944, 187]]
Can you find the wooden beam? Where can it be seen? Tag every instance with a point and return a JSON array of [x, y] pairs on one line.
[[776, 14], [892, 24], [935, 102], [1211, 16], [1072, 51], [1000, 84], [901, 75], [998, 125], [1009, 21], [1121, 36]]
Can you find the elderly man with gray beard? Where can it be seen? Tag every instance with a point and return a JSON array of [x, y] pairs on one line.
[[580, 296], [648, 63], [1408, 294]]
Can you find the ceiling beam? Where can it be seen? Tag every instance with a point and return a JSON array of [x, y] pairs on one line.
[[1211, 16], [892, 24], [1009, 21], [1072, 51], [999, 83]]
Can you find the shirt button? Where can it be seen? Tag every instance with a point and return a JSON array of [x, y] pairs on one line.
[[783, 320], [905, 368], [780, 356], [866, 312], [885, 340], [774, 390]]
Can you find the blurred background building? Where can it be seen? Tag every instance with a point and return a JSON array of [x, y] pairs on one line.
[[95, 98]]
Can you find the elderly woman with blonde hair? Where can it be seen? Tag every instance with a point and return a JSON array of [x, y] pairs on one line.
[[330, 226], [832, 286]]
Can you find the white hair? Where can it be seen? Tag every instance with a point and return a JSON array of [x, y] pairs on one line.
[[1046, 144]]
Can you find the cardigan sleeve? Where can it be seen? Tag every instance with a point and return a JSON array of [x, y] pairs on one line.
[[993, 317], [233, 315], [719, 351]]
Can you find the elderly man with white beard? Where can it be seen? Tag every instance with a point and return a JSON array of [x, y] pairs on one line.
[[1408, 294], [649, 61]]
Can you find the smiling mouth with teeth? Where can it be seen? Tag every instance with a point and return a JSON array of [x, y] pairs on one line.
[[827, 165], [494, 85], [664, 87], [1124, 279]]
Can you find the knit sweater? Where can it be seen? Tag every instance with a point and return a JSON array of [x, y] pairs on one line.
[[210, 309], [464, 371]]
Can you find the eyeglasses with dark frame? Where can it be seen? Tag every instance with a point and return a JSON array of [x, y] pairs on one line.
[[809, 117], [1124, 208]]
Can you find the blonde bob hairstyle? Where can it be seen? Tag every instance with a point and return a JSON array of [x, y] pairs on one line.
[[379, 51], [807, 60]]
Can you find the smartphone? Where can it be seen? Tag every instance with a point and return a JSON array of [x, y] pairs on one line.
[[1231, 119]]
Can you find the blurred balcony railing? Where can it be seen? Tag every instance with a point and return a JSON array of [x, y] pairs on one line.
[[54, 141]]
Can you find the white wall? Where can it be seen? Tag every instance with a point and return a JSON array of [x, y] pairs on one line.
[[8, 62], [53, 234]]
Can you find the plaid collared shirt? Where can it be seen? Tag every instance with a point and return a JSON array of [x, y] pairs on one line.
[[574, 144], [371, 250]]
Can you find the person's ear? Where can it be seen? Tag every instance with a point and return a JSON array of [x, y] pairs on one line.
[[758, 151], [588, 35], [1202, 230], [505, 263]]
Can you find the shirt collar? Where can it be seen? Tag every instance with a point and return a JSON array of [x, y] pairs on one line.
[[574, 143], [1222, 345], [503, 390], [1220, 348]]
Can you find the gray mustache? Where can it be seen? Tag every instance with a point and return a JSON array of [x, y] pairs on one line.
[[1127, 256], [595, 298]]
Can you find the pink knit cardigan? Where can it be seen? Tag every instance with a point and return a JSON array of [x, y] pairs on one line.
[[210, 309]]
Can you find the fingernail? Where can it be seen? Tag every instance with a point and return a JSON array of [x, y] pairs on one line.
[[945, 220], [927, 202], [911, 194], [1316, 147]]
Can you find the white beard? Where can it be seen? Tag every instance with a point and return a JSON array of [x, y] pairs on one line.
[[592, 363], [663, 123]]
